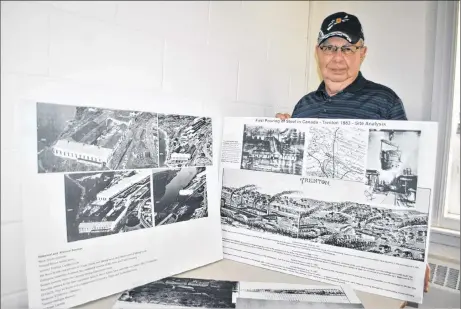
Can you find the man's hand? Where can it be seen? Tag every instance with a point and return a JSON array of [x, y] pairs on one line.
[[282, 116], [427, 277]]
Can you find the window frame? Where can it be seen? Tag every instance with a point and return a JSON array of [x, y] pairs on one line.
[[446, 38], [455, 126]]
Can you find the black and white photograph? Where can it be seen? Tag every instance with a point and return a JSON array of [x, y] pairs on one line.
[[180, 194], [249, 303], [107, 203], [336, 153], [392, 168], [78, 139], [323, 295], [274, 150], [276, 206], [175, 292], [185, 141], [293, 296]]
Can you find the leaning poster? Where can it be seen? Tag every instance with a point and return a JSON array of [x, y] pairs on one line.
[[339, 201], [115, 199]]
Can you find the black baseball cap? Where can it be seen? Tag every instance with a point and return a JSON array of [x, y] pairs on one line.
[[342, 25]]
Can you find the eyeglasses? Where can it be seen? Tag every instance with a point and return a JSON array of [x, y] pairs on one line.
[[346, 50]]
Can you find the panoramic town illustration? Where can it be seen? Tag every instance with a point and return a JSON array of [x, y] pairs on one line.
[[180, 194], [185, 141], [392, 168], [399, 233], [273, 150], [305, 295], [182, 293], [310, 291], [106, 203], [319, 302], [73, 138]]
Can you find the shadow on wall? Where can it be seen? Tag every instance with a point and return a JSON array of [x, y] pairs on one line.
[[319, 73], [438, 298]]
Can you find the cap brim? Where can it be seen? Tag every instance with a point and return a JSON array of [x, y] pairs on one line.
[[350, 39]]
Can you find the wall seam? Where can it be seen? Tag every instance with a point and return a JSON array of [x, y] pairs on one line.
[[163, 65], [9, 222], [14, 293], [308, 49], [238, 82], [209, 24]]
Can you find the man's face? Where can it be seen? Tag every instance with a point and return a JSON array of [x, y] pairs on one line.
[[337, 66]]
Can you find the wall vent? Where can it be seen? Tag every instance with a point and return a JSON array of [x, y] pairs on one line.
[[445, 277]]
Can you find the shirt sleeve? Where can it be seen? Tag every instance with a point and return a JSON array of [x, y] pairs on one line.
[[397, 110]]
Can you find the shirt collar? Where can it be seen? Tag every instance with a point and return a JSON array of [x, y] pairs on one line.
[[356, 85]]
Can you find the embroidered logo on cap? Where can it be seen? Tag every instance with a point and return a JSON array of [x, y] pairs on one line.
[[337, 21]]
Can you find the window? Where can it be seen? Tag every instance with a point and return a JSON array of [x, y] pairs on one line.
[[452, 199], [446, 211]]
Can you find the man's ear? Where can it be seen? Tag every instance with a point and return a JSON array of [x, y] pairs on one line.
[[363, 53], [316, 51]]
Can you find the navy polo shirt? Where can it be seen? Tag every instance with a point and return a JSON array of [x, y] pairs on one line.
[[362, 99]]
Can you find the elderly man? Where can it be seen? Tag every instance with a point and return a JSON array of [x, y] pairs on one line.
[[344, 92]]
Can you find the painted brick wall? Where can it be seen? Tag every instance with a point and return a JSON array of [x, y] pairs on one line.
[[221, 58]]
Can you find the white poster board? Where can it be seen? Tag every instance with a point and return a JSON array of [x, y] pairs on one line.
[[340, 201], [114, 199]]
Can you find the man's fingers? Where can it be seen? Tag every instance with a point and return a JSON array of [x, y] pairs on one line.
[[427, 278], [282, 116], [279, 115]]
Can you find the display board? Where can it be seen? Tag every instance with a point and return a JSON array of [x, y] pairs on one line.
[[114, 199], [340, 201]]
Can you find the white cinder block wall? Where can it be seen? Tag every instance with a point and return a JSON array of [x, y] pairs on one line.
[[220, 58], [235, 58]]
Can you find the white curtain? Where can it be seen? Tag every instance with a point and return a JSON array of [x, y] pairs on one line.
[[442, 99]]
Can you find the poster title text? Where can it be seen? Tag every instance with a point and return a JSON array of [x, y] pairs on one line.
[[324, 122]]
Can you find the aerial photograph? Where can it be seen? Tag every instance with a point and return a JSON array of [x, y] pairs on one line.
[[392, 168], [106, 203], [259, 203], [78, 139], [185, 141], [181, 293], [180, 194], [273, 150]]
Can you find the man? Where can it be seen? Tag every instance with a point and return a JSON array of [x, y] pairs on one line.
[[344, 92]]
